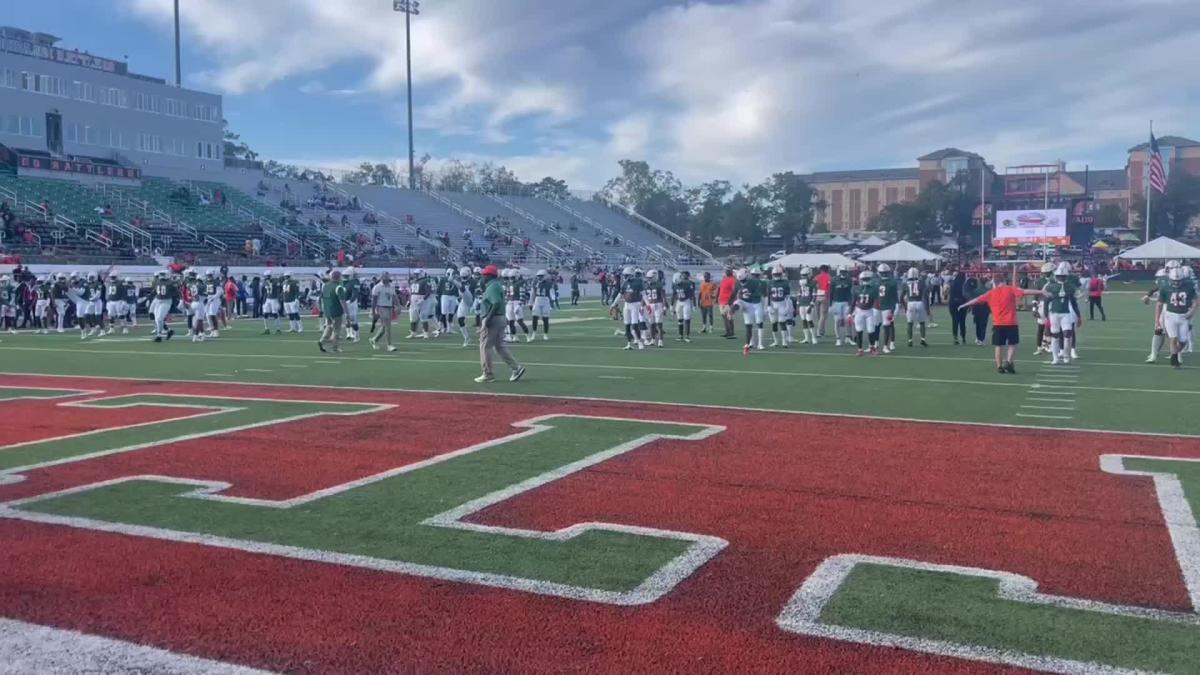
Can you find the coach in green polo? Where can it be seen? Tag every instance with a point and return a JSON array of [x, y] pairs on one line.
[[333, 308], [491, 329]]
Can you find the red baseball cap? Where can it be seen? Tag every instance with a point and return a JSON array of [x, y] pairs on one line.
[[490, 271]]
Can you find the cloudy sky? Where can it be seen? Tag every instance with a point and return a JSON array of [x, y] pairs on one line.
[[733, 89]]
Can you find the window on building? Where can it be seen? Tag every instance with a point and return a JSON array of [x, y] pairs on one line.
[[910, 193], [872, 202], [71, 132], [835, 209], [9, 124], [173, 107], [891, 196], [855, 207], [953, 166], [89, 134], [8, 79], [25, 84]]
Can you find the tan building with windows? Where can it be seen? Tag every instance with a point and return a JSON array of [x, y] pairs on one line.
[[853, 198]]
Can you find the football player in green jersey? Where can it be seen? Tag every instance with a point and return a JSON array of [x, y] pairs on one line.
[[889, 303], [353, 292], [448, 293], [749, 295], [8, 304], [805, 298], [841, 293], [272, 308], [779, 308], [1161, 283], [543, 302], [683, 299], [654, 304], [165, 293], [1063, 314], [630, 293], [913, 296], [291, 303], [866, 301], [196, 306], [1174, 311]]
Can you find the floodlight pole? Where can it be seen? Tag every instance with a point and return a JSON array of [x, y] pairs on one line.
[[409, 8], [1045, 209], [178, 79]]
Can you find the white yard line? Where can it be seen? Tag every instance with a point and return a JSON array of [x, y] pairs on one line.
[[1047, 417]]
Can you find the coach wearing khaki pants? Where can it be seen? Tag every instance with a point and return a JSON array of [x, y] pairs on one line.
[[491, 329]]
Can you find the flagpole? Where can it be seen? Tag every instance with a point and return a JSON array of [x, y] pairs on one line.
[[1149, 190]]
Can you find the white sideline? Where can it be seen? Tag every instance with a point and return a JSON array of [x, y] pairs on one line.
[[30, 648]]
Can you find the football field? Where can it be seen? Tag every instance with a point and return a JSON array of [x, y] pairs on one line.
[[250, 504]]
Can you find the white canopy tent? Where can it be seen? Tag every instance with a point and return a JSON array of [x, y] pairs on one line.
[[873, 241], [839, 240], [1162, 248], [814, 260], [901, 251]]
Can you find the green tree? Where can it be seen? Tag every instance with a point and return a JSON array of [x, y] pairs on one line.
[[457, 176], [235, 147], [909, 220], [655, 194], [741, 219], [706, 208], [785, 202], [550, 188], [1171, 212]]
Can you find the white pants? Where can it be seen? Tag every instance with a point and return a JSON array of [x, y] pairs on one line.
[[752, 312], [270, 306], [428, 305], [1061, 322], [683, 310], [655, 311], [805, 313], [60, 306], [292, 307], [213, 307], [465, 306], [864, 320], [39, 308], [1176, 326], [82, 309], [197, 311], [514, 311], [541, 307], [351, 312], [449, 305], [633, 313], [414, 308], [116, 308], [159, 309], [917, 312], [779, 311], [889, 316]]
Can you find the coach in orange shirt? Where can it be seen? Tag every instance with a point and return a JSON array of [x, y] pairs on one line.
[[1002, 300], [725, 298]]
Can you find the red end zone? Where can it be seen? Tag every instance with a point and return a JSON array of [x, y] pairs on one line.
[[786, 491]]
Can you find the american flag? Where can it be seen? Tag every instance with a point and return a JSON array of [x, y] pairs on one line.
[[1158, 175]]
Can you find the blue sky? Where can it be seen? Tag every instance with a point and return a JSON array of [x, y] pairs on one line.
[[731, 89]]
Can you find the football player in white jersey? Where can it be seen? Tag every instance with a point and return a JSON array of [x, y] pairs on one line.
[[913, 295]]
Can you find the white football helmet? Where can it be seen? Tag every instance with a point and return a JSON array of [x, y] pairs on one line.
[[842, 269], [806, 271], [63, 277], [884, 268], [1176, 274], [418, 273], [913, 273], [267, 274], [1063, 269], [1162, 272], [350, 272], [541, 273], [865, 275], [778, 269], [464, 271], [1172, 264], [742, 274], [1048, 268], [675, 278], [628, 271]]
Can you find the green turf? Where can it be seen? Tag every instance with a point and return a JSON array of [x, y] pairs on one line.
[[966, 610], [1113, 389], [383, 519]]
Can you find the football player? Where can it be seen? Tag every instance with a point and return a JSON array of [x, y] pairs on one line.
[[447, 288], [913, 295], [212, 303], [115, 305], [196, 298], [1175, 309], [1060, 298], [543, 302], [866, 301], [466, 302], [683, 299], [165, 293], [272, 290], [779, 309], [514, 305], [654, 306], [804, 297], [41, 302], [889, 303], [630, 294], [8, 305], [841, 293], [749, 296], [419, 290], [291, 303], [353, 292]]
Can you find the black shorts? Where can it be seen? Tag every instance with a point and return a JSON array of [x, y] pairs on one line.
[[1006, 335]]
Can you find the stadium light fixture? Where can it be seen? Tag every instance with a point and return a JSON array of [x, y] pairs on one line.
[[409, 8]]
